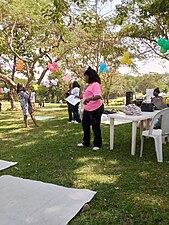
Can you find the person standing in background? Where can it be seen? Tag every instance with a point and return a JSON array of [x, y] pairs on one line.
[[69, 106], [75, 92], [93, 109], [33, 97], [25, 104]]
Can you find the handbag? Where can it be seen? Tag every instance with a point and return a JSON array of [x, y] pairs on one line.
[[147, 107]]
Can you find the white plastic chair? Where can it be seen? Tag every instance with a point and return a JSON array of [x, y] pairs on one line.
[[159, 135]]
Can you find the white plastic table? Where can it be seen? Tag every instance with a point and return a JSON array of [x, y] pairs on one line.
[[134, 119]]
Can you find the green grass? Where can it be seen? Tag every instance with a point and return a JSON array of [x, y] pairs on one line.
[[6, 105], [130, 189]]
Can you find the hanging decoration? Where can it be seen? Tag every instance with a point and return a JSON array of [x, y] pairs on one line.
[[20, 65], [1, 91], [54, 82], [52, 67], [46, 83], [36, 87], [66, 78], [6, 90], [126, 58], [164, 44], [103, 68]]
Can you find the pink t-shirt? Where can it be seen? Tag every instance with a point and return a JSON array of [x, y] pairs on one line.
[[92, 90]]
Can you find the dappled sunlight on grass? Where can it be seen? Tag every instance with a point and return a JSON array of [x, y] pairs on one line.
[[49, 133], [9, 120], [10, 127], [25, 144], [130, 190], [61, 118], [87, 159], [89, 178], [92, 171], [149, 200], [96, 160], [144, 174]]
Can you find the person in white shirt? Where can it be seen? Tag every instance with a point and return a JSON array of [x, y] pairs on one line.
[[32, 97], [76, 91], [67, 93]]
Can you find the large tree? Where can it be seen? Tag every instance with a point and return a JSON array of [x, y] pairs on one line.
[[142, 23], [30, 36]]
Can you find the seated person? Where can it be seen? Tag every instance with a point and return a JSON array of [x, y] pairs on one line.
[[159, 104], [157, 100]]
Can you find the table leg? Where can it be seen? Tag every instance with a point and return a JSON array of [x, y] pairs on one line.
[[111, 133], [134, 132], [141, 127]]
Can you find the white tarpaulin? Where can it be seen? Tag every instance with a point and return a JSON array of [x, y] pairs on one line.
[[5, 164], [28, 202]]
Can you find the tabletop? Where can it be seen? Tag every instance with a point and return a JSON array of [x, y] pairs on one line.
[[143, 116]]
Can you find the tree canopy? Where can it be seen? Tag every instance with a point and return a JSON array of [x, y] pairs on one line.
[[75, 35]]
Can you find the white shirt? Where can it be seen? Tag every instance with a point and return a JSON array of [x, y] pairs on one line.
[[32, 96], [75, 91]]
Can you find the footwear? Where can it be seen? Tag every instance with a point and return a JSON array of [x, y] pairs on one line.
[[75, 121], [96, 148], [80, 145]]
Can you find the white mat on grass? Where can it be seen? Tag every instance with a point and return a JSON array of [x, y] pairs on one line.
[[5, 164], [106, 120], [28, 202]]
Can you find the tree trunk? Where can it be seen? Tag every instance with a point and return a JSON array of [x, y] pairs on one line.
[[11, 99], [107, 99], [11, 93], [7, 80]]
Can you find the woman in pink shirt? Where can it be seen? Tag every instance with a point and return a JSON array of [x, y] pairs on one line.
[[93, 109]]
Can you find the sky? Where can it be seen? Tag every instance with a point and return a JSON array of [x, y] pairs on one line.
[[150, 66]]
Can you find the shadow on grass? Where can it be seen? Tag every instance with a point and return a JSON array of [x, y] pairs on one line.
[[130, 189]]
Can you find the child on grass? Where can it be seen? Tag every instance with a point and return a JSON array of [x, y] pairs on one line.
[[25, 104]]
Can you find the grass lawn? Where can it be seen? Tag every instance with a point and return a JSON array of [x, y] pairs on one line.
[[130, 189]]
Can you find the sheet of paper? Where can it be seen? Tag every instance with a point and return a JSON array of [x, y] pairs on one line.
[[149, 94], [72, 100]]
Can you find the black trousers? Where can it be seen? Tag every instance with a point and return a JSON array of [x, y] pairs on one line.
[[92, 118], [70, 111], [76, 113]]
